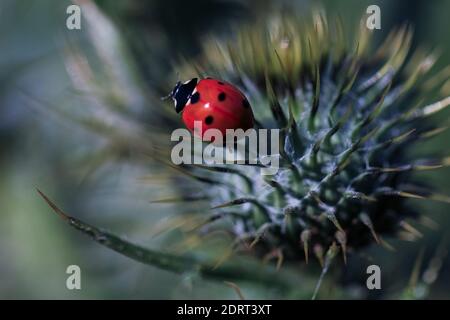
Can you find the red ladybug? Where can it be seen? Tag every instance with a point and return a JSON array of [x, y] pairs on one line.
[[215, 103]]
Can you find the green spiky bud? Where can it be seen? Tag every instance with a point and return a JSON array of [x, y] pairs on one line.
[[349, 114]]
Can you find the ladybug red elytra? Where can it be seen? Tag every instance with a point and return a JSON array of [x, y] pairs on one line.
[[216, 103]]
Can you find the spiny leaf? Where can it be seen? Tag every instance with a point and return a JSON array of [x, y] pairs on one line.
[[304, 238], [397, 139], [407, 194], [341, 237], [247, 180], [318, 252], [178, 264], [275, 106], [236, 289], [365, 219], [331, 253], [433, 108], [409, 228], [235, 202], [180, 199], [372, 115], [316, 97]]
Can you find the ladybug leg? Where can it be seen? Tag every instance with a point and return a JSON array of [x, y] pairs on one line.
[[166, 97]]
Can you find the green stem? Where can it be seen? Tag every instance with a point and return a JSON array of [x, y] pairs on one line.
[[248, 271]]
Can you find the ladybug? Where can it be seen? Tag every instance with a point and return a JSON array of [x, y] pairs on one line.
[[216, 103]]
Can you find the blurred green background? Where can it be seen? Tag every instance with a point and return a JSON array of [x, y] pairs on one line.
[[41, 148]]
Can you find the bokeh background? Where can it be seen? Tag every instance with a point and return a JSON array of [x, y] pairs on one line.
[[41, 147]]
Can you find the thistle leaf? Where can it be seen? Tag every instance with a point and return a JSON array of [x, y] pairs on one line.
[[247, 272]]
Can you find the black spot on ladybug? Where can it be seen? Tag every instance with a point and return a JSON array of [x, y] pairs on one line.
[[245, 104], [221, 83], [209, 120], [195, 97], [221, 96]]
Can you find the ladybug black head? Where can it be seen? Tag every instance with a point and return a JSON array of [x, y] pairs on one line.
[[182, 92]]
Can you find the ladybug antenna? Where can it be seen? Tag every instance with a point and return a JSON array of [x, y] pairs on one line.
[[166, 97]]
